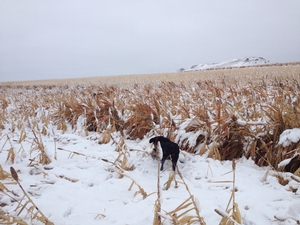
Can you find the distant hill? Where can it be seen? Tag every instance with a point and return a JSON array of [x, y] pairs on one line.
[[248, 61]]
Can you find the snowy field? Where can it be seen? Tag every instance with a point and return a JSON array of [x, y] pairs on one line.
[[79, 187], [54, 170]]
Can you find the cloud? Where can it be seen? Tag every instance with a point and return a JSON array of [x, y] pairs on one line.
[[58, 39]]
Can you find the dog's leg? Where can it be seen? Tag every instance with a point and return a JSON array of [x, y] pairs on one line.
[[174, 166], [174, 159], [162, 163]]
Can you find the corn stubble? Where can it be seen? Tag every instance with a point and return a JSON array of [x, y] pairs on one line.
[[214, 107], [231, 216], [229, 113], [183, 214]]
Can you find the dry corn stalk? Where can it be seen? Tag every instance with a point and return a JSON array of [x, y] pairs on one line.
[[140, 191], [34, 211], [3, 174], [68, 179], [99, 216], [43, 158], [232, 215], [123, 173], [121, 144], [11, 155], [3, 188], [122, 162], [105, 138], [171, 178], [226, 218], [180, 215], [214, 152], [6, 219], [157, 209], [22, 135]]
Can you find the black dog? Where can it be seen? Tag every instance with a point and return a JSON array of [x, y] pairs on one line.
[[169, 148]]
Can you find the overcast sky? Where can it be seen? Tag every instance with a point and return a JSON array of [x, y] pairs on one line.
[[87, 38]]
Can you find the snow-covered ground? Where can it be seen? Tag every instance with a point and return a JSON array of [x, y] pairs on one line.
[[248, 61], [79, 187]]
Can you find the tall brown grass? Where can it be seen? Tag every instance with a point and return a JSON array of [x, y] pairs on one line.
[[229, 113], [222, 114]]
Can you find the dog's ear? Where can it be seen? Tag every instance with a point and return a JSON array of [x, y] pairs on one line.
[[151, 140]]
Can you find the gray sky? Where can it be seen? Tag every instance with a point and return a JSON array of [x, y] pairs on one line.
[[86, 38]]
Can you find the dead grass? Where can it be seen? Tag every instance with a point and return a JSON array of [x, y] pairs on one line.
[[222, 114], [231, 113]]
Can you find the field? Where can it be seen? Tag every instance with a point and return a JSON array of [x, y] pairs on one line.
[[225, 119]]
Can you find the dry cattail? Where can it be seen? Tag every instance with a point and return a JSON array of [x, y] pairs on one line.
[[14, 174]]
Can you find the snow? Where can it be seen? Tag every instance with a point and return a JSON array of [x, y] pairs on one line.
[[247, 61], [289, 136], [82, 186]]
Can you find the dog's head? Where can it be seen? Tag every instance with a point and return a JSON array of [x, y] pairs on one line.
[[158, 138], [153, 140]]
